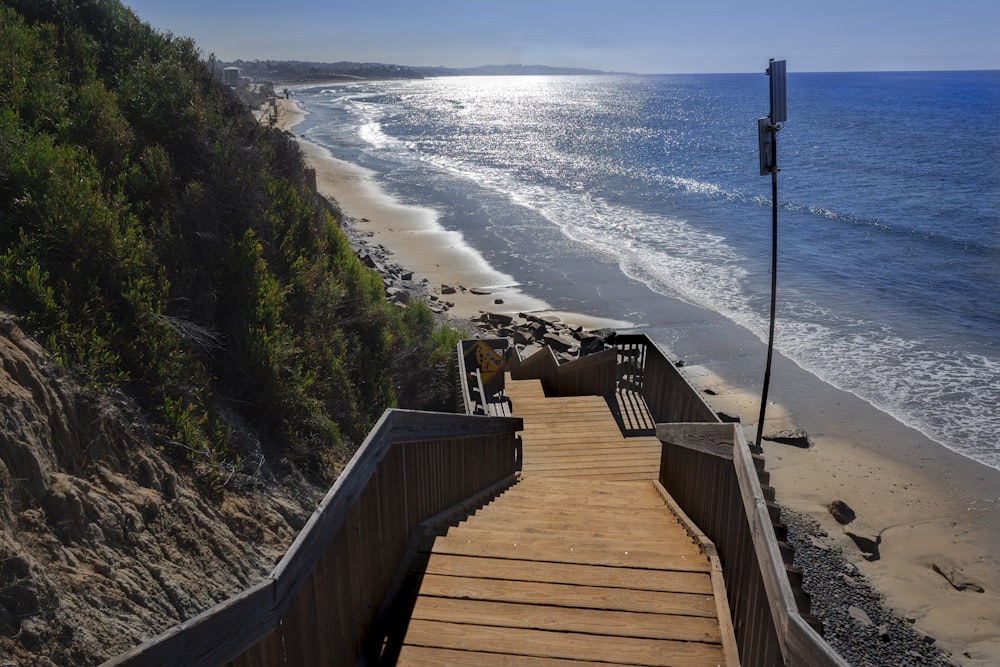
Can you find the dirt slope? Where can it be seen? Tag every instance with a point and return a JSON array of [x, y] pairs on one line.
[[103, 542]]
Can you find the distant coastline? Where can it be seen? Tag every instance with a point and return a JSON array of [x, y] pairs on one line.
[[297, 71]]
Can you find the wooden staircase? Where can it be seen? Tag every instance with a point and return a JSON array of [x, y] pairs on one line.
[[582, 561]]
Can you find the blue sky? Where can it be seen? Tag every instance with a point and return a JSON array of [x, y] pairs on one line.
[[646, 36]]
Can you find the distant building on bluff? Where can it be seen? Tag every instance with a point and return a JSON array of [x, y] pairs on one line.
[[231, 76]]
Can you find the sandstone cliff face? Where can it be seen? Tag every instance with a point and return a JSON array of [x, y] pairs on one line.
[[103, 543]]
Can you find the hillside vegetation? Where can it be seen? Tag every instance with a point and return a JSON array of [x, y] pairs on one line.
[[159, 241]]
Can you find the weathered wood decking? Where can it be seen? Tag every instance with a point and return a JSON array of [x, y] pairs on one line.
[[577, 436], [582, 560]]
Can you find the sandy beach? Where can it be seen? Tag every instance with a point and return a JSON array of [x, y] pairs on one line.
[[933, 510]]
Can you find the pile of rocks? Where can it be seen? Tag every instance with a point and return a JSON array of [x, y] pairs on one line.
[[856, 622], [529, 332]]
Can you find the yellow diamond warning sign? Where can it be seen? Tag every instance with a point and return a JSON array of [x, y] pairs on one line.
[[487, 360]]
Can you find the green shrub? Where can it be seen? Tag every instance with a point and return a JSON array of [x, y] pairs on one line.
[[159, 240]]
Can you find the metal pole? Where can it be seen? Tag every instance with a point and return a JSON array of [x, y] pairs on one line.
[[773, 129]]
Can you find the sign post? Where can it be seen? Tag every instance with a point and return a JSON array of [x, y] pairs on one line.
[[767, 139]]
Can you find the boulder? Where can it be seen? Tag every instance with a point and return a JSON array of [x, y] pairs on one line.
[[728, 418], [522, 336], [559, 342], [794, 437], [842, 512], [448, 289], [498, 319], [397, 295], [595, 341], [537, 330]]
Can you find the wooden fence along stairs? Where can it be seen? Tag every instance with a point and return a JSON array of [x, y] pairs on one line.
[[583, 559]]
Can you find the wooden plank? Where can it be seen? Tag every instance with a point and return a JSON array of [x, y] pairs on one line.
[[610, 463], [644, 459], [699, 583], [545, 503], [551, 411], [574, 401], [579, 446], [578, 432], [421, 656], [569, 619], [598, 491], [584, 460], [527, 532], [566, 406], [636, 543], [632, 473], [575, 445], [712, 439], [580, 528], [562, 595], [636, 546], [648, 519], [546, 550], [571, 646]]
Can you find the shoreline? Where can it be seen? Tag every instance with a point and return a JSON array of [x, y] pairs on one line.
[[411, 234], [929, 506]]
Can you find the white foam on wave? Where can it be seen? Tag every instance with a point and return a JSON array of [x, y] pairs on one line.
[[372, 134], [948, 395]]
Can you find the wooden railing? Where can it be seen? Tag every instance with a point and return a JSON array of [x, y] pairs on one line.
[[320, 602], [669, 396], [635, 363], [709, 470]]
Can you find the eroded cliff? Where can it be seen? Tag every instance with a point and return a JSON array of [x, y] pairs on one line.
[[104, 540]]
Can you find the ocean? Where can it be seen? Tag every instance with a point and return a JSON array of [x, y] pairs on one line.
[[608, 195]]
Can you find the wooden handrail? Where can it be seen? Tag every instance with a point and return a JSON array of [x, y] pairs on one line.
[[668, 393], [330, 584], [709, 470]]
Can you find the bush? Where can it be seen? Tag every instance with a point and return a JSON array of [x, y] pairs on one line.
[[162, 242]]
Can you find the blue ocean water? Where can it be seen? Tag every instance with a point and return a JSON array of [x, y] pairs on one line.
[[889, 249]]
